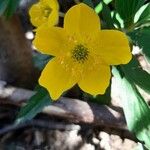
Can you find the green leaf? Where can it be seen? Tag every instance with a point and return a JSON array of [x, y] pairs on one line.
[[8, 7], [137, 75], [127, 10], [141, 38], [89, 3], [34, 105], [145, 16], [102, 99], [107, 1], [11, 8], [99, 6], [137, 112], [117, 20], [140, 147], [106, 14], [40, 60], [3, 6], [99, 1]]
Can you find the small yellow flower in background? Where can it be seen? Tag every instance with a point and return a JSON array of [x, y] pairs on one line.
[[45, 11], [83, 53]]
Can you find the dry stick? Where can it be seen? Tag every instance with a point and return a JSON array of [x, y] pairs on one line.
[[80, 111], [40, 124], [61, 14], [74, 110], [53, 125]]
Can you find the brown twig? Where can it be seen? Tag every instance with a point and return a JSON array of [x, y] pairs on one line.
[[40, 124], [80, 111], [74, 110], [53, 125]]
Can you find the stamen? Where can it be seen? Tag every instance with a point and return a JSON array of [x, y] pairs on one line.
[[80, 53]]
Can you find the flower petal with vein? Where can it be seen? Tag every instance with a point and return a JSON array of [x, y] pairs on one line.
[[45, 11], [83, 53]]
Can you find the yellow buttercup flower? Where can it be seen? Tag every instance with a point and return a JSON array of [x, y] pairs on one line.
[[83, 53], [45, 11]]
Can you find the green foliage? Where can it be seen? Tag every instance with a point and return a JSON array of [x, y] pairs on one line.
[[136, 110], [99, 6], [140, 147], [8, 7], [34, 105], [116, 19], [141, 38], [137, 75], [104, 99], [3, 6], [145, 15], [107, 1], [106, 14], [40, 60], [127, 10]]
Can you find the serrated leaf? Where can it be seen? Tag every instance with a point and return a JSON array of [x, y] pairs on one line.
[[141, 38], [137, 75], [137, 112], [127, 10], [34, 105]]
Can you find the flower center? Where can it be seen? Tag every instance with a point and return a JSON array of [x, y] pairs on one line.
[[47, 11], [80, 53]]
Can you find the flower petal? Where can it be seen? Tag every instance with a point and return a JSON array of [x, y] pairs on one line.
[[95, 81], [113, 47], [36, 16], [57, 78], [54, 15], [53, 18], [53, 4], [51, 40], [81, 19]]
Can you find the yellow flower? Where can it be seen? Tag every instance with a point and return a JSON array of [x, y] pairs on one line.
[[45, 11], [83, 53]]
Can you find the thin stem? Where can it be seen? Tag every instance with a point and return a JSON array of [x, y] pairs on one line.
[[61, 14]]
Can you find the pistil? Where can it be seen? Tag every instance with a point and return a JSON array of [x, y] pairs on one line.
[[80, 53]]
